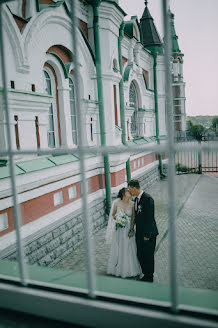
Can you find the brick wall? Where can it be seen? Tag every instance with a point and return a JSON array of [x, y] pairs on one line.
[[48, 247]]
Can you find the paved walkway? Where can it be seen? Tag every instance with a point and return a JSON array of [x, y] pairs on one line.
[[197, 234]]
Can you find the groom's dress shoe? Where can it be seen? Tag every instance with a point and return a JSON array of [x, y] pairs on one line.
[[146, 279]]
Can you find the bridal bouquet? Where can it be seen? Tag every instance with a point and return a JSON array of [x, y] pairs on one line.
[[121, 220]]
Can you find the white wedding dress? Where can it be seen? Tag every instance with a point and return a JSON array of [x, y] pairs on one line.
[[123, 261]]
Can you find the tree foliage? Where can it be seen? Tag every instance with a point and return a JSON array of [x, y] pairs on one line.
[[215, 124], [195, 130]]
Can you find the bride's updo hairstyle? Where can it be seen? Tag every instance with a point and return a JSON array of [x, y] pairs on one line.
[[121, 193]]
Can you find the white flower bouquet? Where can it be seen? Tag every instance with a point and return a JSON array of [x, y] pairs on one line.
[[121, 220]]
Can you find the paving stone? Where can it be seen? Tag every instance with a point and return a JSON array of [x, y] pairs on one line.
[[197, 234]]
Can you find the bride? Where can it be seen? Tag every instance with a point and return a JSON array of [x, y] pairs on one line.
[[122, 260]]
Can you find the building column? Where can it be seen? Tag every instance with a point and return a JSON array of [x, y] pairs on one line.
[[65, 118]]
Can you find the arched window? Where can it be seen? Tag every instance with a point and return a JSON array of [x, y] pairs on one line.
[[73, 112], [133, 102], [51, 126], [132, 95]]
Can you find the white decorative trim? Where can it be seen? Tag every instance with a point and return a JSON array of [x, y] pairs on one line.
[[16, 41]]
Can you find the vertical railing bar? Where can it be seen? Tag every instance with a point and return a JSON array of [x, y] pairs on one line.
[[16, 207], [86, 219], [212, 160], [171, 156], [196, 160]]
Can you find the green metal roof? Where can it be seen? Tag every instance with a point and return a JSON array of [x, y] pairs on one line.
[[40, 163], [35, 164], [5, 171], [45, 6], [140, 141], [175, 45], [150, 35], [63, 159], [145, 110]]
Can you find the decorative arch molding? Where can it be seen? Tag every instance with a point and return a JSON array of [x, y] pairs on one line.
[[48, 17], [57, 65], [127, 72], [58, 68], [15, 39], [64, 56]]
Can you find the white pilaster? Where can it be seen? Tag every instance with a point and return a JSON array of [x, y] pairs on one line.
[[65, 118]]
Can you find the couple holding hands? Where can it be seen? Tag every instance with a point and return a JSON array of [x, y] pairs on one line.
[[132, 253]]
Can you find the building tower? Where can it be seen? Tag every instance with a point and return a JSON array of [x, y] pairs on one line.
[[178, 84]]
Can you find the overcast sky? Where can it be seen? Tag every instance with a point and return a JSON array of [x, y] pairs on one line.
[[196, 23]]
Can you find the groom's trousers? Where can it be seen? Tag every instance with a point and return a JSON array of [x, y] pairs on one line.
[[145, 253]]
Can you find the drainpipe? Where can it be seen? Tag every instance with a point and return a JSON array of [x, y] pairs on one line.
[[96, 4], [162, 175], [121, 92]]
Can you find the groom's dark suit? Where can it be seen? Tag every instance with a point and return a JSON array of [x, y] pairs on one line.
[[146, 227]]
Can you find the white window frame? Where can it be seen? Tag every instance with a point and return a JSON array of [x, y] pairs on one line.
[[54, 105], [58, 198], [72, 192], [3, 221], [75, 142]]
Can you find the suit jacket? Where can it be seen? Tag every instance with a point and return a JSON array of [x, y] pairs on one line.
[[144, 218]]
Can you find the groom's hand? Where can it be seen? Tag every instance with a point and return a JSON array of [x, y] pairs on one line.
[[145, 238]]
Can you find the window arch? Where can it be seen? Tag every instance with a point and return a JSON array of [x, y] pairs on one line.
[[73, 112], [133, 102]]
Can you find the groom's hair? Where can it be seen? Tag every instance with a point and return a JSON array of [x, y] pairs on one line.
[[134, 183]]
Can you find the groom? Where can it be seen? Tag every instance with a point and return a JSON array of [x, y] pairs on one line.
[[146, 229]]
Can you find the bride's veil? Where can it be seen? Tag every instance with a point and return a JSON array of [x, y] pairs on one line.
[[111, 224]]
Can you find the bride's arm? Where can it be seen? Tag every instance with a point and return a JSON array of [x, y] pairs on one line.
[[114, 210], [132, 223]]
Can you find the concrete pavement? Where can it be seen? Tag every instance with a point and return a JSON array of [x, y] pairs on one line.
[[197, 234]]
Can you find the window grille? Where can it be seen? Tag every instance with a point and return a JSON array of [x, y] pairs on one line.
[[170, 148]]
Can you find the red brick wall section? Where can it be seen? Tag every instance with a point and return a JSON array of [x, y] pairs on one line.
[[148, 159], [46, 2], [42, 205], [64, 53], [20, 22], [10, 221], [84, 28], [37, 207], [117, 178], [94, 184], [145, 73], [124, 60]]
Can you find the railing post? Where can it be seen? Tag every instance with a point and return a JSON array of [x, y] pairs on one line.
[[200, 161]]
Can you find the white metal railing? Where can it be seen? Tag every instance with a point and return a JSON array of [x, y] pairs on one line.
[[170, 148]]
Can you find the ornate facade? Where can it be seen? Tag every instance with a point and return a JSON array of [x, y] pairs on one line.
[[42, 103]]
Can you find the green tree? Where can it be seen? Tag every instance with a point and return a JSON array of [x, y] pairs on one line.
[[215, 124], [195, 130]]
